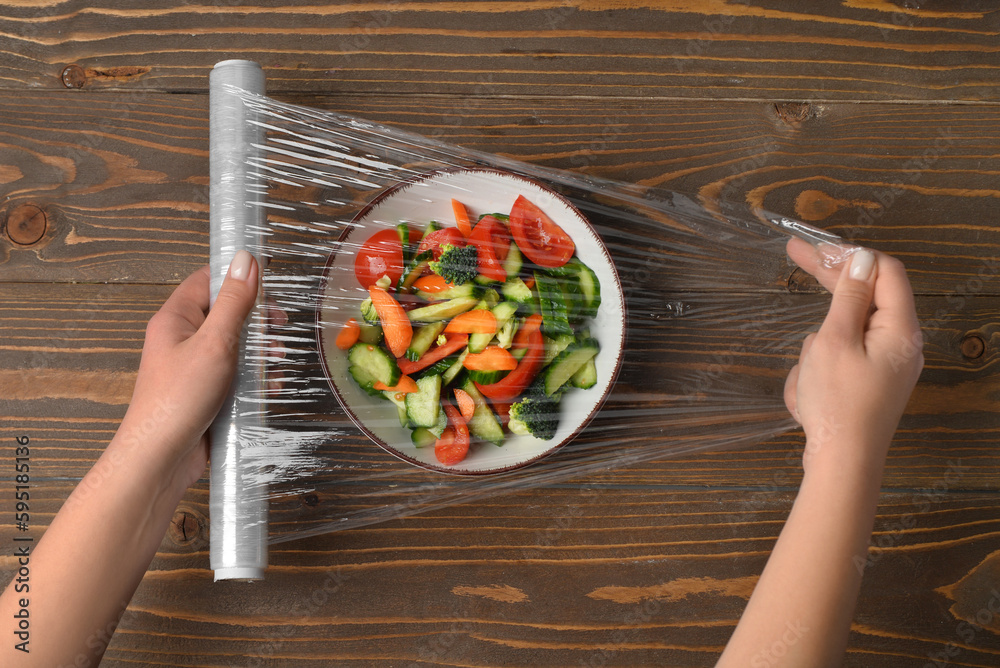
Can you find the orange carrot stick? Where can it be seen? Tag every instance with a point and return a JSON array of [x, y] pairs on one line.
[[494, 358], [396, 326], [461, 218], [476, 321], [432, 284], [349, 334], [404, 386], [466, 404]]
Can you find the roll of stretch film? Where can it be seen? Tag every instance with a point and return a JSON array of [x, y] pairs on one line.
[[238, 509]]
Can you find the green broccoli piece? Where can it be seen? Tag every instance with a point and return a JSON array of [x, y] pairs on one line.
[[535, 415], [457, 264]]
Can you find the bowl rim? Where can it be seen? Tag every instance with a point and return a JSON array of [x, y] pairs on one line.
[[325, 280]]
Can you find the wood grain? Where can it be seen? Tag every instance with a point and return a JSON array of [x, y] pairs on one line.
[[659, 576], [124, 181], [872, 50]]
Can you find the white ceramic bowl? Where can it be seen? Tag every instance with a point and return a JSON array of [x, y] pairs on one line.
[[417, 202]]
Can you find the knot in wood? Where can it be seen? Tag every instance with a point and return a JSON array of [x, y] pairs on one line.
[[973, 346], [185, 527], [26, 224], [310, 500], [793, 113], [73, 76]]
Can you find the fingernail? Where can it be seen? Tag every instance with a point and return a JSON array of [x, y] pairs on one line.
[[239, 268], [862, 263]]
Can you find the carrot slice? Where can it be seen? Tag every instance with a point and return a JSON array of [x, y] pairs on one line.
[[405, 385], [461, 218], [494, 358], [466, 404], [396, 326], [433, 284], [529, 282], [349, 334], [531, 324], [476, 321], [452, 345]]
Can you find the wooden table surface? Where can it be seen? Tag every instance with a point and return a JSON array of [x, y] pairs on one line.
[[873, 119]]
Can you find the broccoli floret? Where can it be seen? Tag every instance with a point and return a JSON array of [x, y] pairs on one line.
[[535, 415], [457, 264]]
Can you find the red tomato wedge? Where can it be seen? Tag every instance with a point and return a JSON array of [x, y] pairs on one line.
[[348, 335], [438, 238], [452, 345], [396, 325], [492, 241], [381, 255], [453, 445], [539, 238], [461, 217]]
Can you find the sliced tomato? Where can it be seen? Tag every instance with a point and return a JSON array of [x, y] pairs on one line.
[[452, 447], [492, 241], [381, 255], [438, 238], [539, 238]]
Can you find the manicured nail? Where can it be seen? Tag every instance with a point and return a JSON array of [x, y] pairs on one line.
[[239, 268], [862, 263]]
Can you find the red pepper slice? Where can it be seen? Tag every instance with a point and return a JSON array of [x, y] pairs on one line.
[[450, 451], [514, 383], [453, 344], [492, 240]]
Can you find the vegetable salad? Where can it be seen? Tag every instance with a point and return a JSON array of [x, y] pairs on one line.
[[474, 330]]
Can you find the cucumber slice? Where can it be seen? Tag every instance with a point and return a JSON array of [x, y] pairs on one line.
[[486, 377], [424, 405], [442, 310], [555, 317], [370, 364], [513, 262], [399, 401], [516, 291], [463, 290], [423, 339], [555, 346], [483, 424], [422, 437], [441, 425], [586, 377], [456, 368], [370, 334], [403, 231], [568, 363], [590, 288]]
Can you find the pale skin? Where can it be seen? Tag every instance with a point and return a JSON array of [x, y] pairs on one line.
[[810, 581], [848, 392]]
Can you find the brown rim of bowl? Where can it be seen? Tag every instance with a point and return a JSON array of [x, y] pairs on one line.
[[319, 325]]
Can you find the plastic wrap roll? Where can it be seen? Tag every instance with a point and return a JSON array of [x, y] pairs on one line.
[[238, 511]]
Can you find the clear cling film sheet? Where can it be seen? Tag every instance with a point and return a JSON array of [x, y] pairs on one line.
[[438, 325]]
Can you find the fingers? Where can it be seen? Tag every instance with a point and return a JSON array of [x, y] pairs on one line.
[[235, 299], [893, 295], [183, 312], [824, 267], [791, 392], [852, 299]]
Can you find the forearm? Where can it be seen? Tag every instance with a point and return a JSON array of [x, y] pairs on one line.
[[801, 609], [93, 556]]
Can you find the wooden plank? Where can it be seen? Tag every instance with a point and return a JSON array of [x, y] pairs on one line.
[[872, 51], [68, 356], [607, 575], [123, 180]]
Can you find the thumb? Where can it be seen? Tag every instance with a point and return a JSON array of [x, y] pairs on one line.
[[236, 297], [852, 298]]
